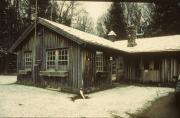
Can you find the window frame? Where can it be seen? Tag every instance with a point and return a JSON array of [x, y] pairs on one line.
[[64, 55], [47, 59], [57, 59], [100, 62], [28, 59]]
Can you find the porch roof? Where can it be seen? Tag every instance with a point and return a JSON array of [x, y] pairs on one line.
[[153, 44]]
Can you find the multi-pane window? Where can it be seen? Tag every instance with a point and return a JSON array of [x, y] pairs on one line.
[[99, 62], [51, 59], [63, 59], [28, 59], [57, 59]]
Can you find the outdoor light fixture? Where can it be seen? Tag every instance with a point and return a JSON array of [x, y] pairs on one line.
[[111, 58]]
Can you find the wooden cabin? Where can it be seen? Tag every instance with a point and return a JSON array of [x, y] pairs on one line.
[[62, 57], [152, 60]]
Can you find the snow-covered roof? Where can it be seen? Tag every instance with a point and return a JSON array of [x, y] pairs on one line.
[[153, 44], [69, 32], [82, 36], [111, 33]]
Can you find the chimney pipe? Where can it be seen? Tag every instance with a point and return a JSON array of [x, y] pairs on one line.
[[112, 36], [131, 36]]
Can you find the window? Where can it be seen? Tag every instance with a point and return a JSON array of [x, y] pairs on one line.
[[57, 59], [99, 62], [146, 64], [63, 59], [28, 59], [51, 59]]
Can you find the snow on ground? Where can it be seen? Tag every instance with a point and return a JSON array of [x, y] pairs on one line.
[[22, 101], [7, 79]]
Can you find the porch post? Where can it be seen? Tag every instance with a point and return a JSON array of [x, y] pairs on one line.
[[141, 69], [111, 59]]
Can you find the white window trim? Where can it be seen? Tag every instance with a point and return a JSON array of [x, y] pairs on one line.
[[57, 59], [47, 66], [27, 55], [99, 62]]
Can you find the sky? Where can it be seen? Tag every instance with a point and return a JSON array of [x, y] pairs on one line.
[[95, 9]]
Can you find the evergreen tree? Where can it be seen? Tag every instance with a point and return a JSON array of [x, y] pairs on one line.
[[10, 22], [165, 20], [42, 7], [115, 21], [3, 21]]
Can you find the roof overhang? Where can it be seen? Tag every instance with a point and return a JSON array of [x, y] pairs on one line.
[[46, 24], [60, 31], [103, 44]]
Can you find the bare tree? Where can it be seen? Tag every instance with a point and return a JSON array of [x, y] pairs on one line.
[[63, 11], [83, 22], [101, 27]]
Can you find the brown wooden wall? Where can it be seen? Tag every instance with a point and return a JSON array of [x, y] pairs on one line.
[[91, 78], [170, 67], [48, 39], [131, 68], [167, 66], [89, 67]]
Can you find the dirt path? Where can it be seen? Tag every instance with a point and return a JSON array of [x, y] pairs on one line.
[[164, 107]]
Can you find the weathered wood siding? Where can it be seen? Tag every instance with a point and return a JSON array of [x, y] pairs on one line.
[[132, 71], [169, 68], [89, 67], [161, 67], [48, 39], [91, 78]]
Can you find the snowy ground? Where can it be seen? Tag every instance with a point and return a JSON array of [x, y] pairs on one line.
[[23, 101]]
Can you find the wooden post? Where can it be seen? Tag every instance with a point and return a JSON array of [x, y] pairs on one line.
[[111, 59], [162, 72], [175, 67], [34, 48], [167, 71], [172, 69], [141, 69]]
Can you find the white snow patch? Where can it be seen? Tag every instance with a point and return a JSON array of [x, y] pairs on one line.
[[4, 79], [24, 101], [153, 44]]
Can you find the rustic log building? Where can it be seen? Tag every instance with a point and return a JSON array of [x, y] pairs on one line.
[[64, 57]]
